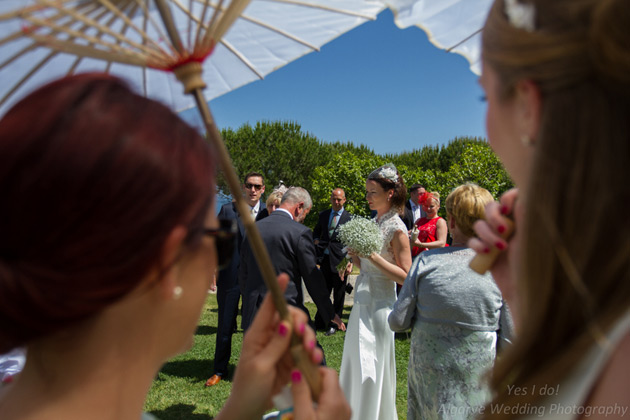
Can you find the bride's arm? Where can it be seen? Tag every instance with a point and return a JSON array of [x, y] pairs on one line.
[[395, 272]]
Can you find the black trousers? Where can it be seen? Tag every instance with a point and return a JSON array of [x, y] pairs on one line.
[[228, 296], [335, 285]]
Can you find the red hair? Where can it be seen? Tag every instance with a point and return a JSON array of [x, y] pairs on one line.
[[93, 178]]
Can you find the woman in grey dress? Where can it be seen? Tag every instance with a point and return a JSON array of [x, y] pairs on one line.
[[457, 318]]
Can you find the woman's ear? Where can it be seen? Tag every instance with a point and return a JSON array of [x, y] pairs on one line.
[[528, 101], [168, 262]]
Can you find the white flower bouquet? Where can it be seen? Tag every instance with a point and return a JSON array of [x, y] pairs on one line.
[[362, 236]]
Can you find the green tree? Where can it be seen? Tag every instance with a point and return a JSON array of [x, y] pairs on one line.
[[278, 150], [347, 171]]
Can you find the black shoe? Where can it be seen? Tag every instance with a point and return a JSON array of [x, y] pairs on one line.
[[349, 288], [330, 331]]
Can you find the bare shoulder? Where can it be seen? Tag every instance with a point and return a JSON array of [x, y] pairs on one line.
[[611, 389]]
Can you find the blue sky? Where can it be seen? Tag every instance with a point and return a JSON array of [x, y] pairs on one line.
[[377, 85]]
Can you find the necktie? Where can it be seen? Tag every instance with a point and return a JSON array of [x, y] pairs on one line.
[[253, 213], [333, 223]]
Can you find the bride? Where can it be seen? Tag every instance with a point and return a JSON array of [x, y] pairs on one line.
[[369, 380]]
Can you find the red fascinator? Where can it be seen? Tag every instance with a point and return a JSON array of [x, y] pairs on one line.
[[424, 197]]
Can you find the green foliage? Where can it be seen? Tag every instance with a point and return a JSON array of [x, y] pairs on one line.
[[347, 171], [278, 150], [281, 151]]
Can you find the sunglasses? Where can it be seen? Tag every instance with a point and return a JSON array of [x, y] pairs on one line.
[[250, 186], [225, 237]]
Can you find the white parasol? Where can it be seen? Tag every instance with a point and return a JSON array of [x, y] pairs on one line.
[[108, 35], [151, 43]]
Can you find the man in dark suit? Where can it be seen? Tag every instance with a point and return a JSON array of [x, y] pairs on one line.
[[228, 292], [330, 254], [413, 208], [290, 246]]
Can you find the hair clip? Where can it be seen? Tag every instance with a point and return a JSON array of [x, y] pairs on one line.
[[521, 15]]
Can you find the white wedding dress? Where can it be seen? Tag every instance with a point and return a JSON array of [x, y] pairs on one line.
[[368, 365]]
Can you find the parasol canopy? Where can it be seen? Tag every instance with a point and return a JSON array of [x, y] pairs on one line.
[[41, 40], [452, 25]]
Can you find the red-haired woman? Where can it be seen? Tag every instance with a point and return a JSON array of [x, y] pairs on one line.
[[432, 229], [108, 241]]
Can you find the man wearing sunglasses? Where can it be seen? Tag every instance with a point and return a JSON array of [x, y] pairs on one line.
[[228, 292]]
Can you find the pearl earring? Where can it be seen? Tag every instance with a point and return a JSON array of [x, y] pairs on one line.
[[527, 141], [177, 292]]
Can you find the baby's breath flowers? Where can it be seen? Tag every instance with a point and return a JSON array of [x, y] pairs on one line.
[[362, 236]]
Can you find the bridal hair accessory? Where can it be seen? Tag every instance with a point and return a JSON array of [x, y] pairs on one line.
[[177, 292], [521, 15], [387, 171]]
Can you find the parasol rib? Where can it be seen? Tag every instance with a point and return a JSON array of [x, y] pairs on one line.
[[114, 9], [449, 49], [252, 20], [23, 80], [241, 57], [228, 18], [159, 54]]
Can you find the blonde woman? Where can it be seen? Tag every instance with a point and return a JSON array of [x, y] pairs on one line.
[[432, 230], [556, 75], [457, 319]]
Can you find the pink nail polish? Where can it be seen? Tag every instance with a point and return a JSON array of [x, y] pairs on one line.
[[486, 250], [302, 329], [504, 210], [282, 330], [501, 229], [296, 376], [500, 246], [311, 344]]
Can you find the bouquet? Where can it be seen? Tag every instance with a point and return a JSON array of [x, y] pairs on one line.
[[361, 235]]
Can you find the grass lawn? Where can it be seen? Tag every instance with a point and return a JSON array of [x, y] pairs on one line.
[[178, 392]]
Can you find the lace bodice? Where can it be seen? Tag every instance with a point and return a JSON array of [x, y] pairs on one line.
[[377, 284]]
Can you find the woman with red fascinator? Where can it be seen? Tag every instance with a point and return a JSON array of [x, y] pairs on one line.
[[432, 229]]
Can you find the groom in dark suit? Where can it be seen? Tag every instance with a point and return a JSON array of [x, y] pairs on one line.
[[228, 293], [329, 254], [290, 246]]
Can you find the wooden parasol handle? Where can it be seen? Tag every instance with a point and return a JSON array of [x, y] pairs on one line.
[[484, 262], [190, 76]]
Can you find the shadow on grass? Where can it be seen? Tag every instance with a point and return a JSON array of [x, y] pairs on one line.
[[403, 335], [206, 330], [198, 370], [180, 411]]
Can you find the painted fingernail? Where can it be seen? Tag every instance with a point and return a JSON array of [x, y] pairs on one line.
[[282, 330], [311, 344], [318, 357], [302, 328], [296, 376], [500, 245], [501, 229], [505, 210], [486, 250]]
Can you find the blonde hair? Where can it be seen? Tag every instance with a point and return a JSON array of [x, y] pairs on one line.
[[466, 204], [574, 281], [274, 198]]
